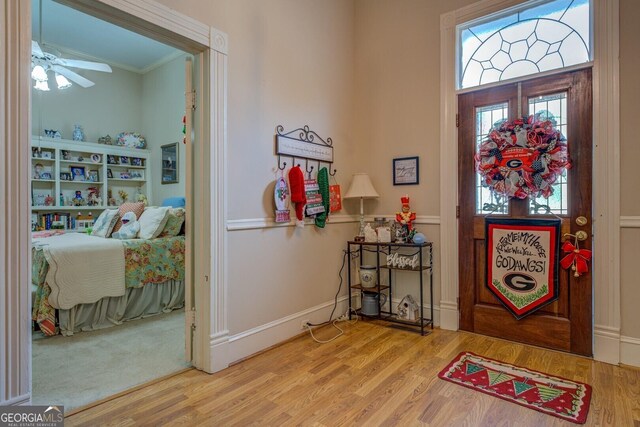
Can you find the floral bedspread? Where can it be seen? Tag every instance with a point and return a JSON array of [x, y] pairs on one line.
[[146, 261]]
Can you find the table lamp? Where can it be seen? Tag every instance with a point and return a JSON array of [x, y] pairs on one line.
[[362, 188]]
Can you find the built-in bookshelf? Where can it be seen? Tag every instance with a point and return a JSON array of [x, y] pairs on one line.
[[73, 178]]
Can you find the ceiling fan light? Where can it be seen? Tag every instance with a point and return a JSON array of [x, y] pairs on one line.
[[62, 81], [39, 74], [42, 85]]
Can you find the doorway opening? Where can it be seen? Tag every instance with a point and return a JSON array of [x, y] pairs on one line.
[[109, 193]]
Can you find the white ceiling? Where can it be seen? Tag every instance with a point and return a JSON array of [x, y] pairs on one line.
[[76, 34]]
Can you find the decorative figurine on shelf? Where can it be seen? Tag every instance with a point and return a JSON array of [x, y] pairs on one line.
[[78, 133], [66, 155], [49, 201], [78, 200], [370, 234], [123, 195], [111, 201], [105, 140], [405, 219]]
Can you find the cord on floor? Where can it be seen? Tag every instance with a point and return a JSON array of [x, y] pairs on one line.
[[343, 318]]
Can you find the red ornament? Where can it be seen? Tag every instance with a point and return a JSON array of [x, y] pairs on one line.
[[576, 258]]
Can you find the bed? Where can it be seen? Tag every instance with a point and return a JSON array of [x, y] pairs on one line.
[[152, 282]]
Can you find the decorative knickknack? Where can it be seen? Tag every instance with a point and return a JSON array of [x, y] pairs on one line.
[[408, 309], [78, 133]]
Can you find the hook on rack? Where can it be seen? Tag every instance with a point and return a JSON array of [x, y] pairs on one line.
[[306, 167], [284, 164]]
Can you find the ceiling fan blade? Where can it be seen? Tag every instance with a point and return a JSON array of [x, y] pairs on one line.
[[74, 77], [35, 49], [87, 65]]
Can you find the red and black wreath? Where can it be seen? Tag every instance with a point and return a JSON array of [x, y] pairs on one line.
[[523, 158]]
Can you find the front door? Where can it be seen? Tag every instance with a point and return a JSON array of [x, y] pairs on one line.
[[565, 324]]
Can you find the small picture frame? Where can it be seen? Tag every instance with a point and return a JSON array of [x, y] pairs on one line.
[[109, 173], [93, 176], [135, 161], [124, 160], [47, 155], [125, 175], [45, 175], [406, 171], [78, 173], [65, 176], [112, 160]]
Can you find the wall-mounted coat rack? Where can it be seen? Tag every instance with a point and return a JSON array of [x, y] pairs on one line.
[[301, 144]]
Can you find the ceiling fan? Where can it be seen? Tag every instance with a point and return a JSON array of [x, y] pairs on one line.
[[41, 62]]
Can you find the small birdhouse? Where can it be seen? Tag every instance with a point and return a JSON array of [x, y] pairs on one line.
[[408, 309]]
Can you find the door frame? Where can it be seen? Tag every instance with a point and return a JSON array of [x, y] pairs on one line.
[[208, 207], [606, 172]]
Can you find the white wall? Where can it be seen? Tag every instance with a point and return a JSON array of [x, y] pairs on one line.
[[290, 64], [630, 176], [112, 106], [162, 108]]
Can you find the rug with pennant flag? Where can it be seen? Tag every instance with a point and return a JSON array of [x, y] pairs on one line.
[[551, 395]]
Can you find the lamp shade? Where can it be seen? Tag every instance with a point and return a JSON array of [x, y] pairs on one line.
[[361, 187]]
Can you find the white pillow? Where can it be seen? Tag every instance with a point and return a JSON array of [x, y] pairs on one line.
[[103, 226], [152, 222]]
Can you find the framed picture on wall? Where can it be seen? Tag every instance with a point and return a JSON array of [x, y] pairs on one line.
[[406, 171], [169, 172]]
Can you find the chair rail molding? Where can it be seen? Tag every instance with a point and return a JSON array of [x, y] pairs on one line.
[[606, 177]]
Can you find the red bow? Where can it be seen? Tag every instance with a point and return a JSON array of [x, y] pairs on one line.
[[576, 257]]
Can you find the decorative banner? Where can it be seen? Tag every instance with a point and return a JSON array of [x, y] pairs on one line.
[[522, 262], [281, 196], [335, 198], [314, 198]]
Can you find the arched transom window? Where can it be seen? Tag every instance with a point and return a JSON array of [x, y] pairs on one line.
[[532, 38]]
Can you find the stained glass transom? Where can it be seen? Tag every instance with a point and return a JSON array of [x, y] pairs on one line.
[[541, 37], [487, 117]]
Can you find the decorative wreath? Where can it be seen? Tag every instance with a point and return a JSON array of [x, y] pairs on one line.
[[523, 158]]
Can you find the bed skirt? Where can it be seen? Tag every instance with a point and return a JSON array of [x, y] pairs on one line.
[[136, 303]]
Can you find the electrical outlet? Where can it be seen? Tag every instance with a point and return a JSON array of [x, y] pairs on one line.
[[304, 323]]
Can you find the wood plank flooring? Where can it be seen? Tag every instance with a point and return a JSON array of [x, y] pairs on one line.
[[374, 376]]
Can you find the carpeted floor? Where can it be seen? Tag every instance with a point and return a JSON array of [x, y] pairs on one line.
[[77, 370]]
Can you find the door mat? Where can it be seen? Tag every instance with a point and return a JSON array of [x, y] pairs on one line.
[[551, 395]]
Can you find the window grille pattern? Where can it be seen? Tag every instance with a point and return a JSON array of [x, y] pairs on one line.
[[554, 108], [487, 117], [542, 37]]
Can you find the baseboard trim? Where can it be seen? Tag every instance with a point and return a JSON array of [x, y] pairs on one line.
[[606, 346], [23, 399], [256, 339], [449, 316], [630, 351]]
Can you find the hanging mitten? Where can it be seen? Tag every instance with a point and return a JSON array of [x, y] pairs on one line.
[[298, 195], [323, 183]]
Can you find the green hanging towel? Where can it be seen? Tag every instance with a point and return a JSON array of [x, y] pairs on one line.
[[323, 183]]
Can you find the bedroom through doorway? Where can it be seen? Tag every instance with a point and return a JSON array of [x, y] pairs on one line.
[[108, 193]]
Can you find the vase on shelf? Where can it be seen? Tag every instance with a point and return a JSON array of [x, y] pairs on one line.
[[78, 133]]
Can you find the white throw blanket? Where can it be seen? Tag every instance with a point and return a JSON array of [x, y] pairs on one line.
[[83, 268]]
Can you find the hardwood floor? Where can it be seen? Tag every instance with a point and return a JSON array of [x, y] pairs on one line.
[[373, 375]]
